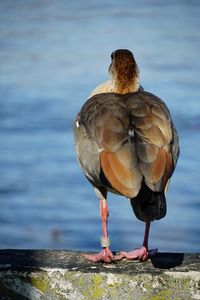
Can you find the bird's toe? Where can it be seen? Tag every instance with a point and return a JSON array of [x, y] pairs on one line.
[[141, 254]]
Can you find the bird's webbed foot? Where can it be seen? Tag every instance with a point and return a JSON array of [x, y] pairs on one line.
[[141, 254], [105, 256]]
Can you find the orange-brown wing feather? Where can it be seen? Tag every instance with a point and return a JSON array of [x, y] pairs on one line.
[[154, 170], [120, 171], [154, 135]]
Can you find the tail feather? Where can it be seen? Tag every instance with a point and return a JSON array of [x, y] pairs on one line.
[[149, 205]]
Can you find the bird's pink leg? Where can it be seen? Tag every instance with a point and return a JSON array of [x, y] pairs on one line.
[[142, 253], [105, 254]]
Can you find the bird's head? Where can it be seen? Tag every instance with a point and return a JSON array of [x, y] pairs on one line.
[[124, 71]]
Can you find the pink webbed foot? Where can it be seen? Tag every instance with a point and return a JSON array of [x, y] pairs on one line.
[[141, 254], [105, 255]]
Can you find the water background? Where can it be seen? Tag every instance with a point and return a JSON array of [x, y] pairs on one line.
[[52, 54]]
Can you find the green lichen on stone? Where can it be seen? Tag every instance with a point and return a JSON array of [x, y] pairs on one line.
[[185, 283], [39, 281], [169, 287], [95, 289], [163, 295], [115, 284]]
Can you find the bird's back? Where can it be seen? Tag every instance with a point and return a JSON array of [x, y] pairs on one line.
[[127, 144]]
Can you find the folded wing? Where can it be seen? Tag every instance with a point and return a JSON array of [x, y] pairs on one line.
[[133, 140], [156, 140]]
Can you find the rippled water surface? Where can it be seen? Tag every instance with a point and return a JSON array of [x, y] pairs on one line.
[[52, 54]]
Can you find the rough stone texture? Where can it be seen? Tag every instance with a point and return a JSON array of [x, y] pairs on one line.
[[42, 274]]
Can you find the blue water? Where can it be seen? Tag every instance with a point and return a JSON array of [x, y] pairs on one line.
[[52, 54]]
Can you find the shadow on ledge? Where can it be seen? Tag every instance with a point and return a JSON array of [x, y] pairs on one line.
[[167, 260]]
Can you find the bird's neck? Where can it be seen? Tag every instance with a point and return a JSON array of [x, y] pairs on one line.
[[125, 86]]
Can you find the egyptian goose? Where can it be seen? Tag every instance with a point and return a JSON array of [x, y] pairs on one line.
[[126, 144]]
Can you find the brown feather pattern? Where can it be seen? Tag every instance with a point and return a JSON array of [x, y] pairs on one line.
[[135, 141]]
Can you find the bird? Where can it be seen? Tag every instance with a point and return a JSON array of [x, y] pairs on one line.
[[126, 143]]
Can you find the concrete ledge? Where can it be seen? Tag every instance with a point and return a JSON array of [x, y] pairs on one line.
[[42, 274]]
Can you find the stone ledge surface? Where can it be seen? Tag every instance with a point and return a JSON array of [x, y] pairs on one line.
[[56, 274]]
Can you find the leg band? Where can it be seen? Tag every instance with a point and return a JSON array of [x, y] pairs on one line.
[[105, 242]]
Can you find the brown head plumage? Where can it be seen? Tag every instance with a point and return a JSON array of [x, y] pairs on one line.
[[124, 71]]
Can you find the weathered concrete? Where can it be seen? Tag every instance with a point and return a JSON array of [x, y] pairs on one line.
[[42, 274]]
